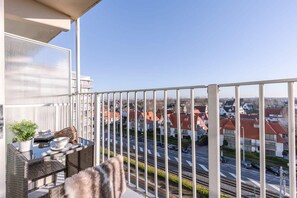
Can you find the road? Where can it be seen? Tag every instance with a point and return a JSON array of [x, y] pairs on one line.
[[228, 170]]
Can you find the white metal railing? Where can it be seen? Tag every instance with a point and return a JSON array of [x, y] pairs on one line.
[[105, 104]]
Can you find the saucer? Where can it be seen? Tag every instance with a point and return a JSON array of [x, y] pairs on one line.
[[67, 146]]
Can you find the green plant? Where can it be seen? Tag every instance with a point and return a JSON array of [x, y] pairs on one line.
[[23, 130]]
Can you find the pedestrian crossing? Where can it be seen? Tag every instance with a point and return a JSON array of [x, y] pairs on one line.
[[254, 182], [225, 174], [190, 163]]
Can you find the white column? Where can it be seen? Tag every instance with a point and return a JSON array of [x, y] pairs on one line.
[[214, 142], [237, 142], [77, 30], [292, 139], [78, 111], [262, 141], [2, 101]]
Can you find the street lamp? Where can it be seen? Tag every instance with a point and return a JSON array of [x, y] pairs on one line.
[[243, 149]]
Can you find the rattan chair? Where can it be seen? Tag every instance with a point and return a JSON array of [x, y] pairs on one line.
[[20, 172]]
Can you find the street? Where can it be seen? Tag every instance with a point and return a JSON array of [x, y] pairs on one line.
[[228, 169]]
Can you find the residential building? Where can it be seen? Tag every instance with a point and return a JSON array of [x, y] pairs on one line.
[[86, 83], [274, 137], [185, 125]]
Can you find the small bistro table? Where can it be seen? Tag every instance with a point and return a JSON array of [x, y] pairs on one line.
[[41, 162]]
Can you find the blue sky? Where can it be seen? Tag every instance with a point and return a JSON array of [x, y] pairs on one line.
[[142, 44]]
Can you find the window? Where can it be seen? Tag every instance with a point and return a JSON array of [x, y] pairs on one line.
[[270, 137], [229, 132]]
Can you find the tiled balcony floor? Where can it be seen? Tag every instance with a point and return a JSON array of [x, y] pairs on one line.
[[60, 179]]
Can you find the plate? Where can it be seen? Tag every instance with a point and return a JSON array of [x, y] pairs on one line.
[[68, 146]]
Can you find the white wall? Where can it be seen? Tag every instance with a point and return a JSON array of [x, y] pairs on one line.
[[279, 149], [221, 140]]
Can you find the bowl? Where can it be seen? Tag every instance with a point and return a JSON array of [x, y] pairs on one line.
[[61, 142]]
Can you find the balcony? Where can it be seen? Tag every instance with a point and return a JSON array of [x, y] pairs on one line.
[[152, 167]]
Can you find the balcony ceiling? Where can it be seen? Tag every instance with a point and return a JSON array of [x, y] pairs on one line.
[[42, 20]]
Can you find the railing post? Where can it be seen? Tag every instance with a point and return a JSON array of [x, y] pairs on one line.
[[97, 129], [262, 141], [292, 139], [237, 142], [214, 141]]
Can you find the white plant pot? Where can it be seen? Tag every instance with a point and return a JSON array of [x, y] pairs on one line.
[[25, 146]]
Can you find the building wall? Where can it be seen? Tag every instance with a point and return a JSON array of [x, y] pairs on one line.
[[86, 102], [279, 149], [86, 83]]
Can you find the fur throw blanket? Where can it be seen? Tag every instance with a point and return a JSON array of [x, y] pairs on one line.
[[106, 180]]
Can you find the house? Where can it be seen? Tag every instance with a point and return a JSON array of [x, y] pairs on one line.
[[201, 108], [274, 114], [185, 125], [248, 107], [250, 135], [228, 108], [140, 120]]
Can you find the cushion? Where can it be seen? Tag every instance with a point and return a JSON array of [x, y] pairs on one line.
[[68, 132]]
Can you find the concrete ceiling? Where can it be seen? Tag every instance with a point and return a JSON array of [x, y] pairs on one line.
[[42, 20]]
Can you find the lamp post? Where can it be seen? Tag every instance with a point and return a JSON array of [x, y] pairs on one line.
[[243, 149]]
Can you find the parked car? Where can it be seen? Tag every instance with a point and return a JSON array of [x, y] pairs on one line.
[[174, 148], [170, 146], [276, 170], [185, 150], [223, 159], [256, 165], [160, 144], [273, 170], [246, 164]]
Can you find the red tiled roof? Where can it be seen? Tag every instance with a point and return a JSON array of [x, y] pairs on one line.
[[278, 128], [250, 128], [117, 115], [249, 116], [185, 121], [272, 111], [279, 139], [132, 115], [149, 115], [201, 108]]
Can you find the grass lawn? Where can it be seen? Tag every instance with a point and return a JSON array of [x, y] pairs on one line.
[[254, 157], [150, 136]]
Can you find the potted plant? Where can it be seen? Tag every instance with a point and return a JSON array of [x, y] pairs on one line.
[[24, 132]]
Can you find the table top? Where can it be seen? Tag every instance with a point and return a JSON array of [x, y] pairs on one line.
[[46, 150]]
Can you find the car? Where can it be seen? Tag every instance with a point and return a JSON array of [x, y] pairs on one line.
[[140, 139], [172, 147], [185, 150], [223, 159], [160, 144], [246, 164], [276, 170], [273, 170], [256, 165]]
